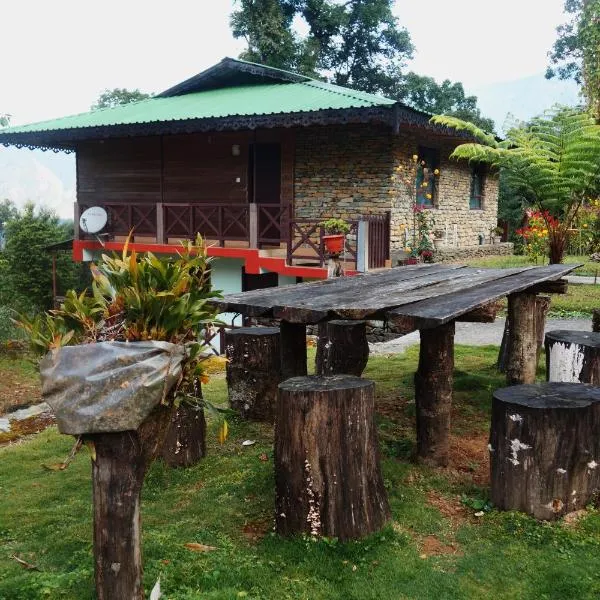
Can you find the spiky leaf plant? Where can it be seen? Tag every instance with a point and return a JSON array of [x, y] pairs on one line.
[[138, 297], [555, 160]]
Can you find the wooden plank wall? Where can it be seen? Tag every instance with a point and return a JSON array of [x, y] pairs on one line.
[[191, 168]]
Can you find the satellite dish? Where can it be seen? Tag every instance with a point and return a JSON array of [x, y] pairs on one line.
[[93, 219]]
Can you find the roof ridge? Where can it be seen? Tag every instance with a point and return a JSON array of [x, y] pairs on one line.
[[348, 92]]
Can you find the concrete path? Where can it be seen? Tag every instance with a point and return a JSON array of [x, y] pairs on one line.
[[475, 334], [583, 279]]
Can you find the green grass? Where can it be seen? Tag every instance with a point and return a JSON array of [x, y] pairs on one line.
[[45, 519], [589, 268]]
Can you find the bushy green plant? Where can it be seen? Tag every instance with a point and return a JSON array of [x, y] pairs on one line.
[[335, 226]]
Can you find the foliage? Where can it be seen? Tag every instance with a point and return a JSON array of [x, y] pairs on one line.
[[555, 160], [25, 264], [118, 96], [335, 226], [358, 43], [536, 234], [447, 98], [585, 238], [136, 298], [423, 233], [576, 52], [46, 517]]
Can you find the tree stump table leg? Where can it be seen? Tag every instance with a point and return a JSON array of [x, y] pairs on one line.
[[573, 356], [596, 320], [254, 371], [327, 474], [342, 348], [522, 346], [119, 464], [293, 349], [545, 448], [433, 394]]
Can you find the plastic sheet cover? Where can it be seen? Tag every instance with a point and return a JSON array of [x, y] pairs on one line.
[[108, 386]]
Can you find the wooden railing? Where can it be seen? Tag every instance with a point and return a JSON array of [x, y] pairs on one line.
[[258, 225]]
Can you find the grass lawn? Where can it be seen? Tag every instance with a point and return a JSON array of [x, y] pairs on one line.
[[434, 548], [589, 267]]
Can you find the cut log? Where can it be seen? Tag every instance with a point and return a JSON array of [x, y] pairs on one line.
[[596, 320], [119, 464], [185, 443], [522, 346], [433, 394], [293, 349], [542, 306], [545, 448], [342, 348], [327, 474], [253, 371], [573, 356]]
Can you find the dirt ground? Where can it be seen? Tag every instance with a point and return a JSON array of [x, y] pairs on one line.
[[15, 391]]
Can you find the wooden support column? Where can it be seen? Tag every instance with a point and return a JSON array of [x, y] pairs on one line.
[[433, 394], [119, 464], [596, 320], [293, 349], [522, 343], [253, 225], [160, 223]]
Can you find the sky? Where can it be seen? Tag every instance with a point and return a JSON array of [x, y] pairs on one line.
[[58, 56]]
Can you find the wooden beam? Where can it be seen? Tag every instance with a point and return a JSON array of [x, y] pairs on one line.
[[559, 286], [483, 314]]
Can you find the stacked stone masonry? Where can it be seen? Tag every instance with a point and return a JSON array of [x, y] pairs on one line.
[[359, 170]]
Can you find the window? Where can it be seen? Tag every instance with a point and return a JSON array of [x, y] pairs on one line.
[[477, 187], [426, 184]]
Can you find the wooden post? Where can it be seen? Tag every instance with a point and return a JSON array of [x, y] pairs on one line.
[[573, 356], [160, 223], [596, 320], [253, 224], [342, 348], [293, 349], [76, 217], [433, 394], [327, 474], [54, 282], [253, 371], [522, 346], [544, 445], [119, 464]]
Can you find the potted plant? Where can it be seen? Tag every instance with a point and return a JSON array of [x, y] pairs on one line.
[[438, 238], [336, 230], [496, 234]]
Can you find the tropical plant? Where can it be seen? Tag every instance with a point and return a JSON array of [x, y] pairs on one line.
[[137, 298], [555, 160], [335, 226]]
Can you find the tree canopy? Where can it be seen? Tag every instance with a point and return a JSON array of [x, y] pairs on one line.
[[358, 44], [554, 161], [576, 52], [117, 96]]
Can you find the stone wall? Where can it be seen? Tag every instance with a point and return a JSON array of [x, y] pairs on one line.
[[353, 170], [453, 254]]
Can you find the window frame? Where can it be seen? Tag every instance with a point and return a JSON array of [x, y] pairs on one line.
[[478, 173]]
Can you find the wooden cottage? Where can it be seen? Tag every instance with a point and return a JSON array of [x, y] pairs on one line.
[[254, 158]]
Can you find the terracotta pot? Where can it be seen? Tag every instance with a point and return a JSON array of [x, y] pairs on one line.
[[439, 243], [334, 244]]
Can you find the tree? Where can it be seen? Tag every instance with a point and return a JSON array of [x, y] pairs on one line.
[[554, 160], [576, 52], [118, 96], [4, 120], [26, 277], [358, 44], [446, 98]]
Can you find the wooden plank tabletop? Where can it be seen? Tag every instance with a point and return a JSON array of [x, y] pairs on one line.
[[431, 294]]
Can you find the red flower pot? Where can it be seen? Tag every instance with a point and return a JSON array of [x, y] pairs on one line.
[[411, 261], [334, 244]]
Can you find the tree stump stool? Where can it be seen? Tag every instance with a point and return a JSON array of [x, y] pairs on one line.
[[185, 443], [253, 371], [596, 320], [342, 348], [573, 356], [327, 474], [545, 448]]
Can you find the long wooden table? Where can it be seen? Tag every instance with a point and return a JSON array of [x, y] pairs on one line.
[[429, 298]]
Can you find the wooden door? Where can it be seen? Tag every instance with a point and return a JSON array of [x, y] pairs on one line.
[[265, 189]]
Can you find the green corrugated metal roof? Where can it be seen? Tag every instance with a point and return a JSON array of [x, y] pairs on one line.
[[246, 100]]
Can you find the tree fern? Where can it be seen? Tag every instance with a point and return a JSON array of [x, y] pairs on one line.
[[555, 160]]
